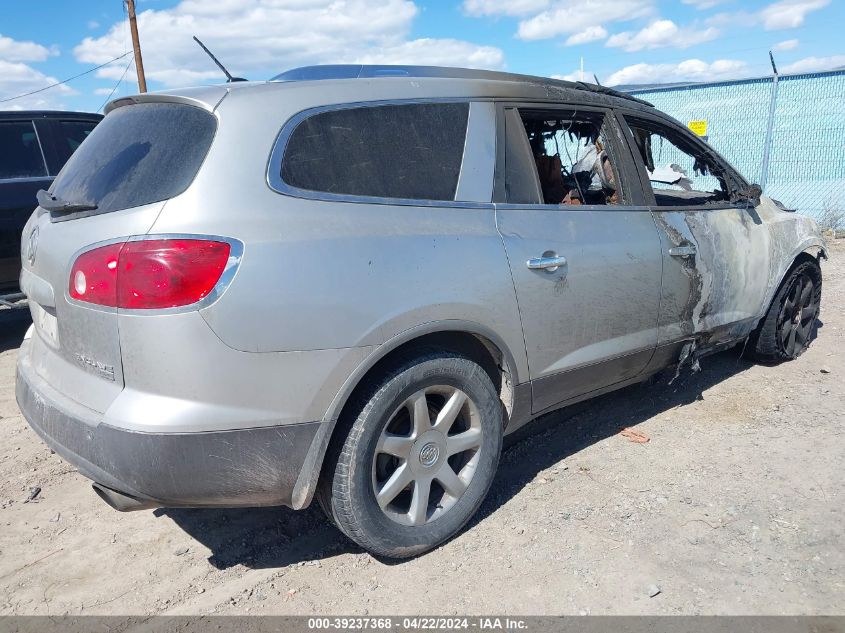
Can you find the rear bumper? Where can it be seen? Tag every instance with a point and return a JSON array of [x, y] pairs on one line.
[[246, 467]]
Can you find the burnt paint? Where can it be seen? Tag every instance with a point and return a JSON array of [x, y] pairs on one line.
[[719, 294]]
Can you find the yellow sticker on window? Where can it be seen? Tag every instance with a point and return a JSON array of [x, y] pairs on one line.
[[699, 128]]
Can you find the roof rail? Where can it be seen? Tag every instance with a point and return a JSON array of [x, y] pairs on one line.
[[363, 71]]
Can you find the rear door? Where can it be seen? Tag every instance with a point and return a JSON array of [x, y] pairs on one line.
[[716, 250], [133, 162], [23, 172], [583, 251], [61, 137]]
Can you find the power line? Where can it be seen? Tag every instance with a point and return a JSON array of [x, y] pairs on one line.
[[64, 81], [119, 81]]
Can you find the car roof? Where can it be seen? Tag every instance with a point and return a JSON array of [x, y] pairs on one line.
[[358, 83], [48, 114], [365, 71]]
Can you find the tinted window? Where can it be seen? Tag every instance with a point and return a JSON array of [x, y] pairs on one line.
[[680, 173], [20, 154], [138, 154], [409, 151], [71, 135]]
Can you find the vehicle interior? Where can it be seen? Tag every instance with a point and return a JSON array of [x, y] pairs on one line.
[[21, 155], [572, 159], [679, 173]]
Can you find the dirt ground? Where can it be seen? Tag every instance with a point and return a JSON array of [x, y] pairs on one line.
[[736, 505]]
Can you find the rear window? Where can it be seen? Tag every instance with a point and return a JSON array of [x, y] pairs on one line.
[[411, 151], [136, 155], [20, 153]]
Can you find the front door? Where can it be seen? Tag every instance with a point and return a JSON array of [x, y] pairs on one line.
[[585, 260], [716, 248]]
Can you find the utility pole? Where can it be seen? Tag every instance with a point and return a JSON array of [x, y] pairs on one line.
[[136, 45]]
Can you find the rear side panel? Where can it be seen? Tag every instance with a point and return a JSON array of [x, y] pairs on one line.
[[320, 274]]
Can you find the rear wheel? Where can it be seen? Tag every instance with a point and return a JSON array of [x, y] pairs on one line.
[[419, 457], [787, 329]]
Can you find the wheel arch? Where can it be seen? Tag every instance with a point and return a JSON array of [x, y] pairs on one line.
[[476, 341], [812, 250]]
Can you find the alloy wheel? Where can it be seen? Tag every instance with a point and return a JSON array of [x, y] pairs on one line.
[[798, 315], [427, 455]]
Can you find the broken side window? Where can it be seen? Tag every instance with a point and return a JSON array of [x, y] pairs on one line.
[[570, 155], [680, 173]]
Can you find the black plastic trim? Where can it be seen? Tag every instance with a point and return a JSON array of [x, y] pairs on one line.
[[246, 467]]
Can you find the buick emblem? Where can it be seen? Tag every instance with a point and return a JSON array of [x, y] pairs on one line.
[[32, 246], [429, 454]]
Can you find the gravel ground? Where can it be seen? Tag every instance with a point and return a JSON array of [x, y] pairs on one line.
[[734, 506]]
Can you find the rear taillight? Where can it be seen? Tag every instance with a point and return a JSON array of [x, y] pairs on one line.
[[149, 274], [93, 277]]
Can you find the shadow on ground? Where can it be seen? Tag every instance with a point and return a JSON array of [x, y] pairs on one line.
[[275, 537]]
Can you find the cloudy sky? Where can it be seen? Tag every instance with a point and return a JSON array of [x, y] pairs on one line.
[[621, 41]]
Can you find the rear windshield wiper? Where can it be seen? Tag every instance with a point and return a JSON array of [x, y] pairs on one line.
[[47, 200]]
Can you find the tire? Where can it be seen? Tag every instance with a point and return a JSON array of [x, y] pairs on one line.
[[399, 444], [787, 329]]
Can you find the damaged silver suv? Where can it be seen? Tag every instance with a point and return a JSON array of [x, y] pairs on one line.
[[350, 282]]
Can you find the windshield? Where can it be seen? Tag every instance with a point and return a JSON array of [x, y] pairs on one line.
[[138, 154]]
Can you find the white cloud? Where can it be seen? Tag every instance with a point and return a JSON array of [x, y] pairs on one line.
[[565, 17], [503, 7], [660, 34], [789, 14], [93, 24], [576, 75], [813, 64], [590, 34], [786, 45], [16, 51], [701, 5], [733, 19], [689, 70], [18, 78], [435, 52], [256, 36]]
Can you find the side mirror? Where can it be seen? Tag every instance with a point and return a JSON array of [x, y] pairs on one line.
[[750, 195]]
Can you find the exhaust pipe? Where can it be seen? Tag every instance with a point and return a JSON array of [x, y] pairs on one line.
[[122, 502]]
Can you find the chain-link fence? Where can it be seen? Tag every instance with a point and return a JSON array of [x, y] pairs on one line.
[[806, 168]]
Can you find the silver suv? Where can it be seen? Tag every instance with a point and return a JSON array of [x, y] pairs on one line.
[[352, 281]]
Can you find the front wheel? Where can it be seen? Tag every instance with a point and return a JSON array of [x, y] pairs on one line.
[[419, 457], [786, 330]]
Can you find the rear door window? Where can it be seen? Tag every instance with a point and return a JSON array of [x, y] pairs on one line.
[[138, 154], [407, 151], [558, 157], [20, 153], [71, 134]]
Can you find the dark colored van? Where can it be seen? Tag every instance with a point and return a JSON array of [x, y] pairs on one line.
[[34, 146]]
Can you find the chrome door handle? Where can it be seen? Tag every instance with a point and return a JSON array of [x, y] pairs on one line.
[[546, 262], [682, 251]]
